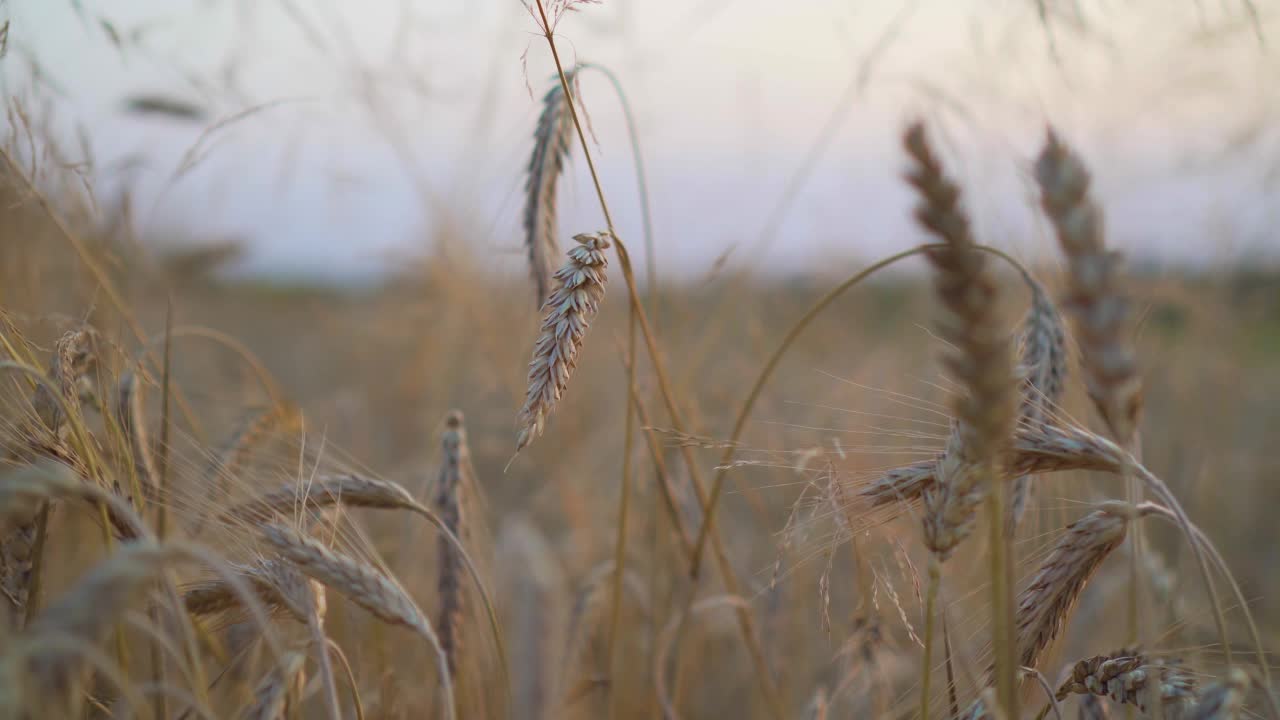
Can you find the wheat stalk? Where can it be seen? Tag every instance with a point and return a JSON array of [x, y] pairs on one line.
[[980, 359], [551, 140], [566, 317]]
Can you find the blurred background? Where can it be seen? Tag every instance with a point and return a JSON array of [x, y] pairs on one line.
[[332, 138], [338, 186]]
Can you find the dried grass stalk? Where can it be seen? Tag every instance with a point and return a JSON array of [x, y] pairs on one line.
[[1096, 298], [567, 315], [551, 142]]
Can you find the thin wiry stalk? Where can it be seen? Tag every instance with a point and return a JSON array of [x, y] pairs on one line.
[[745, 623], [131, 415], [620, 540]]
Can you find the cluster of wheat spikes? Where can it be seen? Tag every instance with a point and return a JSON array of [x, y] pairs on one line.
[[236, 579], [1006, 427]]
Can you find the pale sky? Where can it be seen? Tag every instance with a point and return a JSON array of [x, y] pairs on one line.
[[388, 120]]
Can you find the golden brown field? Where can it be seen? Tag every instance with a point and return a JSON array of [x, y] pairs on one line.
[[232, 498]]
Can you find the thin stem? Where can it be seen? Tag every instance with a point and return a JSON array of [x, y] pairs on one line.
[[930, 604], [642, 184], [1002, 619], [620, 543], [732, 585]]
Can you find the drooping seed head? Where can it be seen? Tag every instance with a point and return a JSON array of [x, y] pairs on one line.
[[566, 316]]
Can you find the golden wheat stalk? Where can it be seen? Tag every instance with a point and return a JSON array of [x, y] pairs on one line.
[[566, 317], [981, 359]]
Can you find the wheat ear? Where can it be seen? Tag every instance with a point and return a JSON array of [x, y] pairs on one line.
[[73, 356], [981, 360], [566, 316], [363, 585], [551, 140], [1046, 603], [1043, 367], [454, 483], [1130, 677], [1096, 298]]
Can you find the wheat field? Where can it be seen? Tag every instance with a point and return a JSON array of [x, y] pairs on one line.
[[979, 488]]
